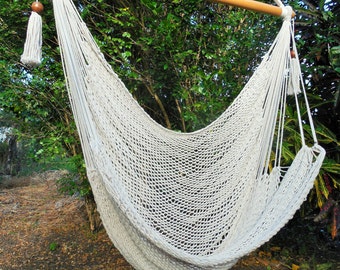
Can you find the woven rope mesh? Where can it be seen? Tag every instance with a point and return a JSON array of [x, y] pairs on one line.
[[173, 200]]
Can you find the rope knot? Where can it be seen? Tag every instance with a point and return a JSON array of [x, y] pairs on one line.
[[287, 13]]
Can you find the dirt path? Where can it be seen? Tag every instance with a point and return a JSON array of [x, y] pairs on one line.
[[42, 229]]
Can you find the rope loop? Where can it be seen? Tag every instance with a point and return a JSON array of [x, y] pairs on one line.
[[287, 13], [279, 3]]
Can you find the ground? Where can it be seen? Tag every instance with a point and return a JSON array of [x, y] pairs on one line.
[[43, 229]]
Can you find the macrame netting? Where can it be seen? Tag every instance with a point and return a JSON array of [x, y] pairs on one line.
[[199, 200]]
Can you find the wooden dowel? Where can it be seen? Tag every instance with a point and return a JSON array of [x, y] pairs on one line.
[[254, 6]]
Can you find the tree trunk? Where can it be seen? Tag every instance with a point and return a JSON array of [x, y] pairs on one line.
[[92, 213], [12, 165]]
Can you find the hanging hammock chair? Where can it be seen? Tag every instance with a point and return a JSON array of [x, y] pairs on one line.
[[200, 200]]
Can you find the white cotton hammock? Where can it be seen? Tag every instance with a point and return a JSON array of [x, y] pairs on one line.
[[199, 200]]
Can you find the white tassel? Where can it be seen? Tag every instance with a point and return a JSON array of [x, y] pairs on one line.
[[32, 50], [294, 78]]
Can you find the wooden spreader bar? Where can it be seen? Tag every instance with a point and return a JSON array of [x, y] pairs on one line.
[[254, 6]]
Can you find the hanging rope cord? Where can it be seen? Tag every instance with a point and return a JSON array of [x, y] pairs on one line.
[[172, 200], [286, 14], [278, 151], [308, 110], [280, 4]]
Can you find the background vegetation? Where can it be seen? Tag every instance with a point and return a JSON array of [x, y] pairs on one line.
[[184, 61]]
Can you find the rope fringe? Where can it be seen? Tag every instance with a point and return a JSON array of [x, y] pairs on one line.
[[294, 85], [32, 49]]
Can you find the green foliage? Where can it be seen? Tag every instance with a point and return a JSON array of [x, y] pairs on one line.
[[35, 101], [53, 246], [76, 181], [334, 56], [182, 60], [318, 37]]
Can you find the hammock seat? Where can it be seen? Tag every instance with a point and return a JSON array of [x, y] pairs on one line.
[[200, 200]]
